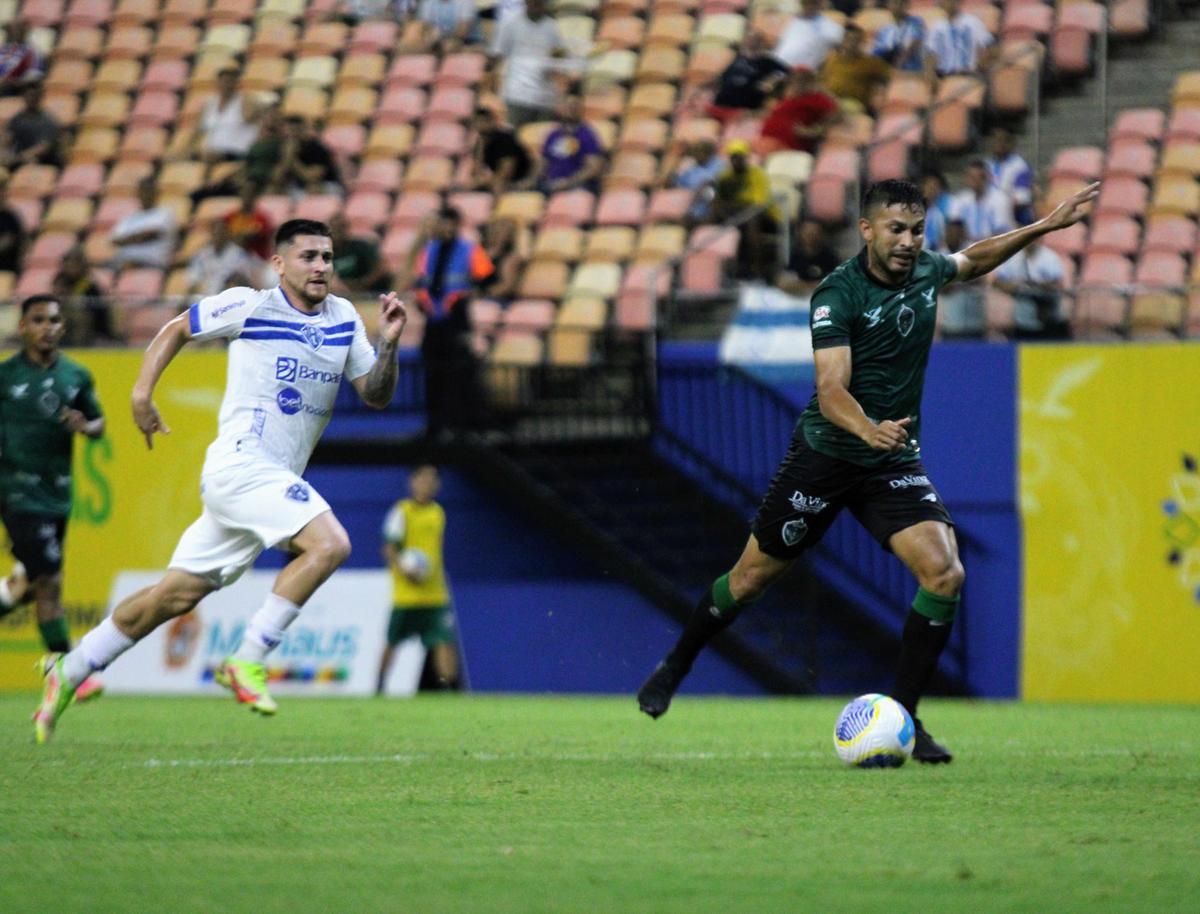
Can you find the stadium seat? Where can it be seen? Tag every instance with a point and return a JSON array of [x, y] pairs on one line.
[[1157, 315], [230, 39], [1130, 158], [543, 279], [1085, 162], [1101, 268], [1069, 242], [569, 347], [347, 141], [888, 160], [116, 76], [1124, 196], [642, 287], [400, 105], [670, 29], [906, 92], [80, 180], [95, 144], [594, 280], [1170, 233], [1147, 124], [1129, 18], [1099, 314], [211, 208], [227, 12], [643, 134], [440, 138], [146, 144], [34, 280], [274, 39], [32, 181], [105, 109], [362, 69], [412, 70], [604, 102], [183, 12], [367, 210], [142, 282], [397, 244], [1114, 234], [432, 173], [305, 101], [379, 175], [612, 243], [1027, 20], [569, 208], [661, 65], [265, 74], [631, 169], [564, 244], [323, 39], [313, 72], [165, 75], [1176, 194], [706, 63], [451, 103], [79, 44], [67, 214], [351, 105], [651, 100], [523, 206], [616, 66], [660, 242], [49, 248], [621, 32], [475, 206], [621, 206], [1071, 43], [1161, 269], [720, 29], [669, 205], [276, 207], [67, 75], [389, 141], [1184, 125], [135, 12], [153, 108], [1181, 157], [582, 312], [373, 37], [318, 206], [111, 211], [531, 315], [692, 129]]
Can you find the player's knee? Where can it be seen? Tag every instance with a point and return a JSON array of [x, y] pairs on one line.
[[334, 549], [748, 583], [946, 578]]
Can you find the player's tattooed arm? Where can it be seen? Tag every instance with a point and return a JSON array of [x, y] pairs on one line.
[[984, 256], [377, 385], [840, 407]]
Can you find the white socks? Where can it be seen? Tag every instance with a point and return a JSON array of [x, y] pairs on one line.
[[266, 628], [98, 648]]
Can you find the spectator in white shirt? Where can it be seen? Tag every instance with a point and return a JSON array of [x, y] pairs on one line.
[[145, 238], [808, 38], [983, 209], [447, 24], [228, 122], [532, 52], [1011, 173], [1034, 278], [960, 43], [902, 41], [222, 264]]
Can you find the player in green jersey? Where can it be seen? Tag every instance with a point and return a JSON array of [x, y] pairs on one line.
[[45, 400], [856, 444]]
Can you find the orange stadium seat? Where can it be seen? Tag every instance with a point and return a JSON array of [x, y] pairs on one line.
[[389, 141], [564, 244], [621, 206], [352, 105], [105, 109], [413, 70], [372, 37], [1176, 194], [603, 102], [1147, 124], [669, 204], [907, 92], [183, 12], [1181, 157], [1114, 234], [273, 38], [67, 214], [95, 144], [440, 138], [231, 12], [117, 76], [692, 129], [661, 65], [154, 108], [49, 248], [165, 75], [526, 207], [671, 29], [610, 243], [433, 173], [707, 63], [174, 42], [582, 313], [111, 211], [1086, 162], [67, 75], [1157, 315], [543, 279], [144, 143], [1130, 158], [1171, 233], [33, 181], [1130, 18], [323, 38], [82, 13], [569, 208], [124, 177], [265, 74], [1069, 242], [643, 134], [1124, 196], [362, 69], [130, 42], [631, 169], [450, 103], [80, 180], [660, 242], [621, 31], [651, 100]]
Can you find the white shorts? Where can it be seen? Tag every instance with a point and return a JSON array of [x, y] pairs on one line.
[[247, 508]]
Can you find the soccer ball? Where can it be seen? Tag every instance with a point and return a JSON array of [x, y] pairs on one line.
[[415, 564], [874, 731]]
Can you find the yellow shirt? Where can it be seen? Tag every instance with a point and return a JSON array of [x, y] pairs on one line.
[[851, 77], [410, 525], [750, 188]]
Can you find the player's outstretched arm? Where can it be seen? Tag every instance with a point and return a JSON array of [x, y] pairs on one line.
[[164, 347], [377, 385], [838, 405], [984, 256]]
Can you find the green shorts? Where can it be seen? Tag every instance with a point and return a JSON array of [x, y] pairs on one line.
[[435, 625]]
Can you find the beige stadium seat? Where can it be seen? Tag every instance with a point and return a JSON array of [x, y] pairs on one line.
[[563, 244], [315, 72], [611, 67], [595, 280], [525, 207], [610, 243], [232, 39]]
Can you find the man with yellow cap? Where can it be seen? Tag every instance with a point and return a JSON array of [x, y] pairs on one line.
[[743, 186]]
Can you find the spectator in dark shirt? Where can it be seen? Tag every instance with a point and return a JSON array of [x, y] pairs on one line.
[[90, 317], [305, 164], [358, 266], [748, 80], [20, 61], [572, 155], [499, 161], [12, 231], [812, 259], [799, 119], [32, 135]]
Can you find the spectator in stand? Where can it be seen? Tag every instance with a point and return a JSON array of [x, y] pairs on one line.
[[799, 119], [808, 37], [499, 162], [572, 156], [749, 79], [741, 187], [698, 172], [983, 209], [811, 260], [305, 164], [145, 238], [222, 264], [90, 318], [1010, 172], [960, 43], [498, 236], [531, 49], [358, 266], [961, 306], [12, 231], [20, 61], [353, 12], [32, 135], [851, 74], [263, 154], [902, 41], [938, 204], [229, 121], [447, 268], [249, 225], [1034, 278], [447, 25]]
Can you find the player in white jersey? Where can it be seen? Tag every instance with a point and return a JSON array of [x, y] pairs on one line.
[[289, 349]]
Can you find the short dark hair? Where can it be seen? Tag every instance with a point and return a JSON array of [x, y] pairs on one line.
[[451, 213], [891, 193], [35, 300], [293, 227]]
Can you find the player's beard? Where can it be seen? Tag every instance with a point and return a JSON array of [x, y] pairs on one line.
[[896, 265], [311, 298]]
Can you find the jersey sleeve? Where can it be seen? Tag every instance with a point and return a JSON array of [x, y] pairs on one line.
[[86, 401], [361, 357], [830, 317], [945, 268], [394, 525], [222, 316]]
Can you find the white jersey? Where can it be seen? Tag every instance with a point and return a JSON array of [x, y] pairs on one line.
[[285, 367]]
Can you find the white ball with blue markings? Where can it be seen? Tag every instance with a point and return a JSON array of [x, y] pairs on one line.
[[874, 731], [416, 565]]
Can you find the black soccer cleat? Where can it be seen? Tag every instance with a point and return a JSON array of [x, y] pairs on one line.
[[656, 692], [928, 750]]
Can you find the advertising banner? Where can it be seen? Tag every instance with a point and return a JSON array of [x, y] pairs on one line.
[[1110, 500], [333, 647]]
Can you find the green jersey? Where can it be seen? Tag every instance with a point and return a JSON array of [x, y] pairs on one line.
[[889, 330], [35, 446]]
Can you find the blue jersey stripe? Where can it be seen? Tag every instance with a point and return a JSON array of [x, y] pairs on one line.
[[299, 325], [294, 337], [194, 318]]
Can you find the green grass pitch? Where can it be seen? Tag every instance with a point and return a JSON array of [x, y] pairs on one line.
[[560, 804]]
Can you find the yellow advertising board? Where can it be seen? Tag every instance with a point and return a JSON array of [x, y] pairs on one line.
[[1110, 499], [130, 504]]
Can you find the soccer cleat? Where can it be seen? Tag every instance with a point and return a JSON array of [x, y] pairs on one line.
[[654, 697], [927, 749], [248, 682], [57, 693], [88, 689]]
